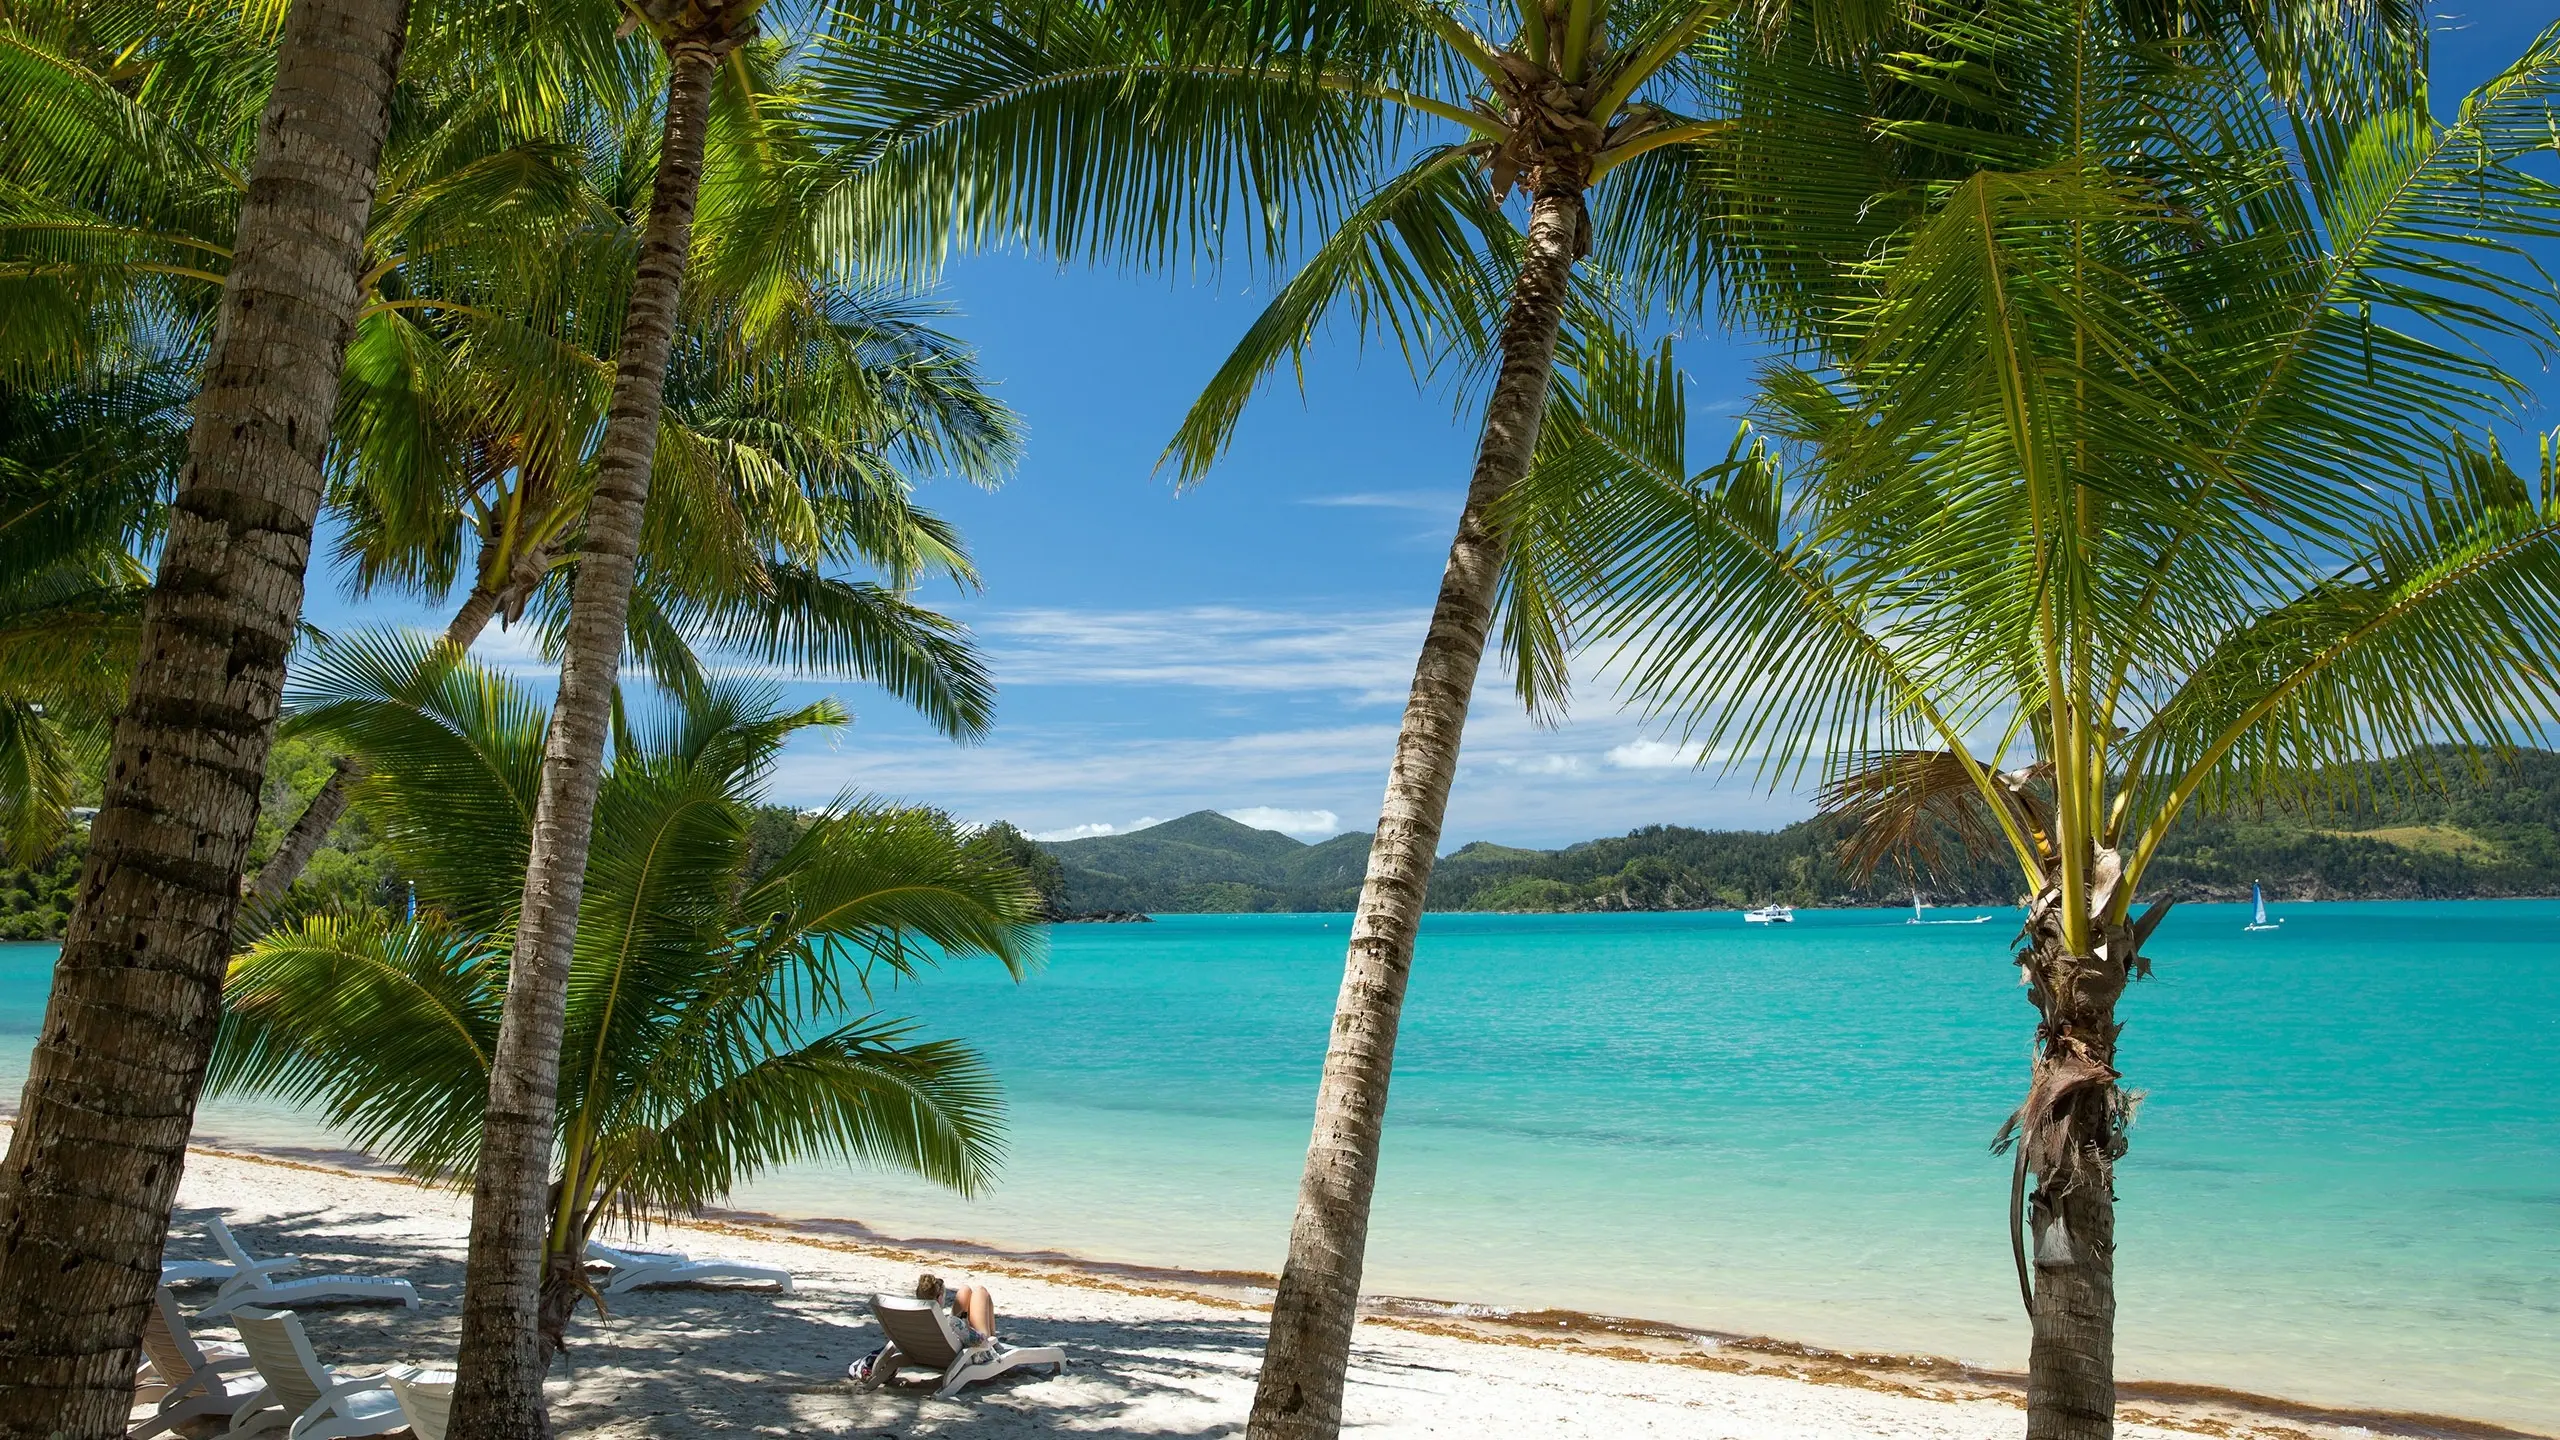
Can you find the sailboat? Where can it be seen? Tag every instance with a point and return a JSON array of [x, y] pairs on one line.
[[1919, 915], [2258, 893]]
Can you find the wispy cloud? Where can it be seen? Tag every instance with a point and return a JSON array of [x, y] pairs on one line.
[[1091, 829], [1317, 824], [1365, 656], [1656, 755], [1437, 502]]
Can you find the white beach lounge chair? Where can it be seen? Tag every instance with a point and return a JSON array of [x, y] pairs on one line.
[[307, 1399], [253, 1282], [237, 1263], [922, 1332], [635, 1268], [426, 1397], [193, 1378]]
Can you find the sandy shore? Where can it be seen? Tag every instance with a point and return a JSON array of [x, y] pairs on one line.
[[1152, 1355]]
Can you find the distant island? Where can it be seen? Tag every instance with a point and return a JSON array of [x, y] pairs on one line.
[[2464, 837]]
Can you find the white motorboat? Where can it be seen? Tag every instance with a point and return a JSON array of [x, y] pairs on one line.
[[1770, 915]]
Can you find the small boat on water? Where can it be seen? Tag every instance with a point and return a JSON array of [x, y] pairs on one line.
[[1770, 915], [1920, 915], [2258, 894]]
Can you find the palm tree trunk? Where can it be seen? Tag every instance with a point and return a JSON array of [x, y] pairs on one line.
[[111, 1090], [498, 1391], [2072, 1129], [2071, 1382], [1299, 1396], [293, 853]]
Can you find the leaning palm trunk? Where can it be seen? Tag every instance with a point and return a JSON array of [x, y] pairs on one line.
[[503, 1353], [111, 1089], [1303, 1366], [329, 804]]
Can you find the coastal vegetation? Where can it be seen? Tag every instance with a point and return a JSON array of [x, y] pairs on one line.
[[2464, 833], [112, 1086], [2460, 833], [717, 1018]]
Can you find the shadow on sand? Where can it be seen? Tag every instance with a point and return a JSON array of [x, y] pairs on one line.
[[711, 1359]]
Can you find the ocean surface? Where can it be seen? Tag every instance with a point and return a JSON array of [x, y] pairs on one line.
[[2344, 1186]]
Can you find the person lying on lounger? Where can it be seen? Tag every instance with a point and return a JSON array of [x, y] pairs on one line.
[[974, 1306]]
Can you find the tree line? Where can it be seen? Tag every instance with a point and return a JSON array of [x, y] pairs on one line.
[[2460, 833]]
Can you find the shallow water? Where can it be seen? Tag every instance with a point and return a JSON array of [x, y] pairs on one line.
[[2344, 1186]]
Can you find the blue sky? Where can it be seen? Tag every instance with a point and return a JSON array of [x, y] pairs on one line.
[[1245, 645]]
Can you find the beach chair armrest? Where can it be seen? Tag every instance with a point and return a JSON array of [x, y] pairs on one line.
[[347, 1388], [264, 1399], [258, 1272]]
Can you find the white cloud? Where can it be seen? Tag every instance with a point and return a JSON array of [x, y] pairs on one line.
[[1435, 501], [1317, 824], [1537, 764], [1367, 656], [1171, 711], [1104, 827], [1656, 755]]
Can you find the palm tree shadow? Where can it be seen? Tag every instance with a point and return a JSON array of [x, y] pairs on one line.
[[685, 1360]]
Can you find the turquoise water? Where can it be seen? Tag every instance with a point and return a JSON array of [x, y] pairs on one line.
[[2344, 1187]]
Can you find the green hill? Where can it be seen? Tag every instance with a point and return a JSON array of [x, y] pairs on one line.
[[2459, 836]]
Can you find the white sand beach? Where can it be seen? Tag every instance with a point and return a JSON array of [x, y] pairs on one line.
[[1150, 1356]]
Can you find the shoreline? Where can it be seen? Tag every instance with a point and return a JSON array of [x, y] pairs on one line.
[[2170, 1405]]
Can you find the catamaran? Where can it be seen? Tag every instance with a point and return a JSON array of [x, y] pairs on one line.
[[2258, 894], [1770, 915], [1919, 915]]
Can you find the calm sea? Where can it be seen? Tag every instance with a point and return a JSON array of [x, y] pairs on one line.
[[2344, 1186]]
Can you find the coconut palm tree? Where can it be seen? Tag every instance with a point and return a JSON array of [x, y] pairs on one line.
[[1385, 143], [481, 369], [719, 1021], [111, 1086], [1137, 132], [85, 474], [496, 269], [780, 465], [2147, 470], [116, 226]]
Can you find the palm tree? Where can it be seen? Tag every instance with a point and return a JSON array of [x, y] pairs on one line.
[[1138, 131], [118, 225], [2142, 472], [778, 465], [111, 1087], [85, 473], [715, 1019], [481, 368], [498, 1389]]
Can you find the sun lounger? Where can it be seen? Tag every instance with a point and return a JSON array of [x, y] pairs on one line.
[[635, 1268], [253, 1282], [237, 1264], [307, 1399], [922, 1332], [426, 1397], [193, 1378]]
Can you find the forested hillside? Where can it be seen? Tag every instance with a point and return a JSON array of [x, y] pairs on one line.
[[2496, 834], [2465, 836]]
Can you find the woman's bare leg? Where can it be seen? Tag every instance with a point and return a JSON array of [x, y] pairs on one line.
[[979, 1304]]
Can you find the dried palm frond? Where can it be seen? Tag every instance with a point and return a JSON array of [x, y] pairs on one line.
[[1908, 803]]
